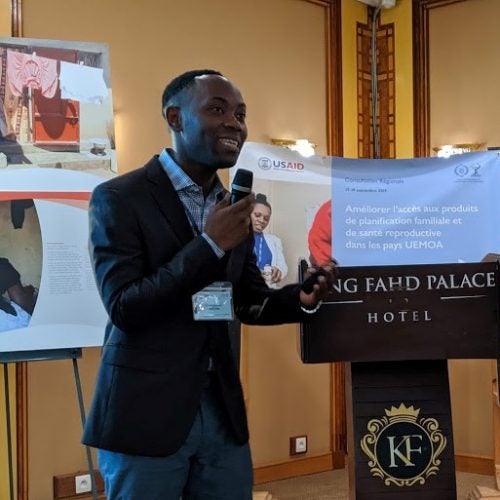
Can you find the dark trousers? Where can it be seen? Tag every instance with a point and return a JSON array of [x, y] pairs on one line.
[[209, 466]]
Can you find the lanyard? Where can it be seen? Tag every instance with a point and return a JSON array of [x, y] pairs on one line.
[[260, 237]]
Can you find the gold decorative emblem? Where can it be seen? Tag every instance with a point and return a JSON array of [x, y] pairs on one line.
[[402, 448]]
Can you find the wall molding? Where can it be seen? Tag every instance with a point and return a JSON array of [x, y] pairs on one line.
[[474, 464], [16, 18], [333, 67], [421, 90], [298, 467]]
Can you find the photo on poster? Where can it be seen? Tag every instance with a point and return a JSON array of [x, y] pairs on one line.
[[20, 263], [55, 105], [293, 188]]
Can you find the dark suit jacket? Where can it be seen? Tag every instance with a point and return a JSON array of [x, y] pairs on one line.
[[154, 361]]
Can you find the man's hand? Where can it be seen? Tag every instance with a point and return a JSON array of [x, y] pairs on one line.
[[229, 225], [323, 285]]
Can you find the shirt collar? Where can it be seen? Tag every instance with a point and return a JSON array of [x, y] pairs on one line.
[[180, 180]]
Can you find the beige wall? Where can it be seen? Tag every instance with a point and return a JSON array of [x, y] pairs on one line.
[[5, 9], [464, 85], [274, 50], [267, 49], [465, 73]]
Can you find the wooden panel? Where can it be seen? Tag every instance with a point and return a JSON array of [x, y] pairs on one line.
[[402, 431], [64, 485], [297, 467], [385, 69], [475, 464], [16, 18]]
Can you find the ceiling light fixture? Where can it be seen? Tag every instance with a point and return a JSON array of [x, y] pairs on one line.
[[446, 150], [302, 146]]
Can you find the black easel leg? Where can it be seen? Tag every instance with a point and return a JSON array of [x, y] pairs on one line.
[[82, 415]]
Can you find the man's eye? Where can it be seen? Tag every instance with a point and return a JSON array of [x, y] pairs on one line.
[[241, 116], [218, 110]]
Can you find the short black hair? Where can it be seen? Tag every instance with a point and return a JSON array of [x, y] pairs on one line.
[[183, 81]]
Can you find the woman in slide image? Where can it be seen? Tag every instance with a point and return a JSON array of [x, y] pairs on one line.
[[268, 248]]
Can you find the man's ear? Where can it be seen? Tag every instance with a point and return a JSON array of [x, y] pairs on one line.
[[173, 116]]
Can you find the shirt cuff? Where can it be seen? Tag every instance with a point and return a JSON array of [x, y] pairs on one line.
[[217, 250], [313, 310]]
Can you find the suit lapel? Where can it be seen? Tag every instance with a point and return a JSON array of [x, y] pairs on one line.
[[168, 201]]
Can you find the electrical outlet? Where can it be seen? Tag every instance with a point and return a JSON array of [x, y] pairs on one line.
[[298, 445], [83, 484]]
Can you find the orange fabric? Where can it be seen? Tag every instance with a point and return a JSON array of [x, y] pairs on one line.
[[320, 235]]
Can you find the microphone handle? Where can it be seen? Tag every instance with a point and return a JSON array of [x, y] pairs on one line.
[[237, 196]]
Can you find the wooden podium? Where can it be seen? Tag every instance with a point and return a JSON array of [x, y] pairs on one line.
[[397, 326]]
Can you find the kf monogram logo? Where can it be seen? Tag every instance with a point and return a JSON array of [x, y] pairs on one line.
[[402, 448]]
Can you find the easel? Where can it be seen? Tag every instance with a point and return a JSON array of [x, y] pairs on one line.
[[42, 355]]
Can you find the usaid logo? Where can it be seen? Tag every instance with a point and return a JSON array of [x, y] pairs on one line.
[[265, 163], [268, 164]]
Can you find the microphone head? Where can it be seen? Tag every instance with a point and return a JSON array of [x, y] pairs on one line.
[[241, 185]]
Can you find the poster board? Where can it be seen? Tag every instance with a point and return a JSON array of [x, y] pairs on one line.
[[56, 144]]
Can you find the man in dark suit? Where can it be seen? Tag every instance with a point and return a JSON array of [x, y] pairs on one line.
[[168, 414]]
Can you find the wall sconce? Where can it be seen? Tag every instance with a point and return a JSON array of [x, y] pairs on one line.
[[447, 150], [302, 146]]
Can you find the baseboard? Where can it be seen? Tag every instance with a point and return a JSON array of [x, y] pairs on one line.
[[475, 464], [299, 467], [65, 487]]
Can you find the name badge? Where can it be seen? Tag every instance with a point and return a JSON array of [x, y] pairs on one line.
[[214, 302]]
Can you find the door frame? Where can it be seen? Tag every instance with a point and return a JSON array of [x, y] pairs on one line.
[[421, 90]]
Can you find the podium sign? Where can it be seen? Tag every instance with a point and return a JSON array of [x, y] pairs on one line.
[[397, 326], [406, 312]]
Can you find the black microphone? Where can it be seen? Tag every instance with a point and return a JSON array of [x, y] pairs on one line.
[[308, 284], [241, 185]]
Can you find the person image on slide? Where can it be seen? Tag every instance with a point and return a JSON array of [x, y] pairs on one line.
[[168, 415], [268, 248], [17, 302]]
